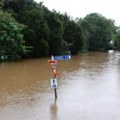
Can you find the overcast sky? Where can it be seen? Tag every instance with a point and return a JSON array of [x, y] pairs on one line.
[[80, 8]]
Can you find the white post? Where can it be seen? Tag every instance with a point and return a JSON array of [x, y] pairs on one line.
[[52, 57]]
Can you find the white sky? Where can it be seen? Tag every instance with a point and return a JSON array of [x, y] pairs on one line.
[[80, 8]]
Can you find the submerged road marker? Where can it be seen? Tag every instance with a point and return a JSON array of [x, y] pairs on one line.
[[53, 63], [53, 66]]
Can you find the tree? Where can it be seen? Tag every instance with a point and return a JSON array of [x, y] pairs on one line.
[[72, 34], [1, 4], [56, 33], [37, 31], [85, 33], [48, 32], [117, 39], [12, 44], [99, 31]]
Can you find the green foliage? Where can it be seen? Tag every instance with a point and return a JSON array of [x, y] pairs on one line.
[[73, 36], [98, 31], [37, 32], [11, 39], [1, 3], [117, 39], [56, 33], [51, 33], [46, 31]]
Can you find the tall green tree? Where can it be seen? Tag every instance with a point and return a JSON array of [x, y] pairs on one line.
[[36, 33], [72, 34], [99, 31], [117, 39], [56, 33], [11, 38], [1, 4], [83, 24]]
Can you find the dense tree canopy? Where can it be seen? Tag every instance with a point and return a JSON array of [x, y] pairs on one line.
[[52, 33], [73, 36], [11, 39], [56, 33], [98, 31], [116, 39], [37, 31]]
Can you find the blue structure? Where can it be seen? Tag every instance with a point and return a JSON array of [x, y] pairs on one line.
[[62, 57]]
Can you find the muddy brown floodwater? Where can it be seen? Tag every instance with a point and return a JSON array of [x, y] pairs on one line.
[[89, 89]]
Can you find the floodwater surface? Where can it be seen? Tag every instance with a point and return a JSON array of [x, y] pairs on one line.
[[89, 89]]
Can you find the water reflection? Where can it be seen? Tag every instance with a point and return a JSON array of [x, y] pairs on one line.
[[53, 110]]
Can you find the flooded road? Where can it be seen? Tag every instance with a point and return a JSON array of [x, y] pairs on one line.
[[89, 89]]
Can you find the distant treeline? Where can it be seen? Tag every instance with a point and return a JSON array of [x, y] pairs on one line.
[[29, 29]]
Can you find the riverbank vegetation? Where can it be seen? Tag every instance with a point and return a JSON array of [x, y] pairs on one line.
[[29, 29]]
